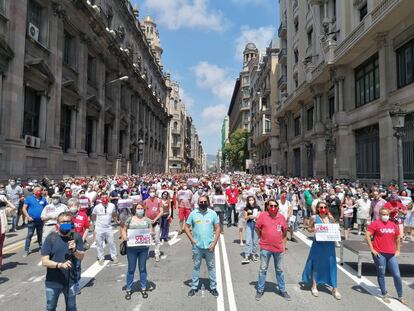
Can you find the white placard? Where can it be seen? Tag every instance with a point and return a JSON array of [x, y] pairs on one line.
[[139, 237], [219, 199], [327, 233], [292, 219]]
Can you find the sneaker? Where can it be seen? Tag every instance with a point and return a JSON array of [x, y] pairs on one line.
[[286, 296], [258, 295], [115, 260], [192, 292], [241, 244], [292, 239], [25, 254], [245, 260], [157, 258], [255, 258], [314, 292], [337, 295], [101, 262], [214, 292]]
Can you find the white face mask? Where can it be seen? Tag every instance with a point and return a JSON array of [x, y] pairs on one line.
[[73, 210], [152, 194], [55, 201], [184, 187], [385, 218]]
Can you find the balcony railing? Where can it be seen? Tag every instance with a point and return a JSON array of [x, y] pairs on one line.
[[282, 56], [282, 29], [282, 82]]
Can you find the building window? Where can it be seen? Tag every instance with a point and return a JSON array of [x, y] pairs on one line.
[[65, 120], [297, 126], [175, 153], [31, 112], [268, 124], [310, 36], [309, 117], [367, 84], [106, 139], [296, 82], [175, 125], [296, 162], [89, 135], [405, 64], [68, 49], [175, 105], [296, 56], [91, 70], [2, 6], [296, 23], [363, 11], [367, 152], [331, 106], [121, 142]]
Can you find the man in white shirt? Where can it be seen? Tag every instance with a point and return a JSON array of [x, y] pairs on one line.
[[103, 214], [363, 212], [50, 214]]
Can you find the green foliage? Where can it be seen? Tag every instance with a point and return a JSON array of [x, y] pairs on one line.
[[236, 151]]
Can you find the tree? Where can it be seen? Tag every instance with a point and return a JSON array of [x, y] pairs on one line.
[[236, 151]]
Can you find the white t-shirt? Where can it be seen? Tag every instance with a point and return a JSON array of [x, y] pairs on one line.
[[284, 208], [91, 196], [363, 208], [103, 219]]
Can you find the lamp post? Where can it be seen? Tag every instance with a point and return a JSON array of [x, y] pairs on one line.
[[140, 154], [398, 119]]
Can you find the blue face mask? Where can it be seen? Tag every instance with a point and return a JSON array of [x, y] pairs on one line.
[[65, 228]]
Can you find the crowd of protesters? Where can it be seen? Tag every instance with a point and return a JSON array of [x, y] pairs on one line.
[[266, 210]]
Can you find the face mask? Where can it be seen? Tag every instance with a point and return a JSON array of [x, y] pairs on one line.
[[203, 207], [365, 197], [184, 187], [89, 188], [385, 218], [105, 201], [69, 194], [134, 193], [200, 192], [73, 210], [323, 211], [55, 201], [65, 228], [152, 194], [38, 194], [140, 213], [251, 202], [12, 183], [273, 211]]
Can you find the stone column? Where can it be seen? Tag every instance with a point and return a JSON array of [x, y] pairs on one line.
[[94, 137], [72, 142]]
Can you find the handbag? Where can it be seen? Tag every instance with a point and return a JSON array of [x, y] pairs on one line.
[[123, 248]]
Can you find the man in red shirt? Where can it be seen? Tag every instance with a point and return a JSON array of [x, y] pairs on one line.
[[154, 211], [385, 249], [271, 228], [232, 197]]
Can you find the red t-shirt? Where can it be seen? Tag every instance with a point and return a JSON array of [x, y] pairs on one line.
[[81, 222], [232, 195], [273, 231], [395, 207], [384, 236], [84, 204], [153, 207]]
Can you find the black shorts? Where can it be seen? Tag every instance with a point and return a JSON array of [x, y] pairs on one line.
[[348, 223]]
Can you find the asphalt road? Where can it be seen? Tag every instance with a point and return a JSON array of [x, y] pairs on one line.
[[22, 281]]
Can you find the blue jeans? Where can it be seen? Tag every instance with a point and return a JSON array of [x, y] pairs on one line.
[[165, 228], [250, 247], [198, 255], [31, 227], [382, 261], [135, 254], [53, 291], [264, 264]]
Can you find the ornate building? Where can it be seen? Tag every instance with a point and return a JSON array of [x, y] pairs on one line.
[[82, 89], [344, 65]]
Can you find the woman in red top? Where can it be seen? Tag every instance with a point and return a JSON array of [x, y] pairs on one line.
[[383, 239]]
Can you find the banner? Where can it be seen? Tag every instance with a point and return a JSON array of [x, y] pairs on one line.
[[327, 233], [139, 237], [219, 199]]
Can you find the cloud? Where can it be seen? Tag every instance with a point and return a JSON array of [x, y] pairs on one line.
[[214, 112], [215, 79], [244, 2], [261, 37], [186, 98], [178, 14]]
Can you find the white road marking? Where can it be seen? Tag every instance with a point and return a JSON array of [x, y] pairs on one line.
[[39, 278], [229, 282], [138, 307], [363, 282], [40, 263], [220, 298], [91, 272]]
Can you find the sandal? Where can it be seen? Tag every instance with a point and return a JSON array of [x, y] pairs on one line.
[[144, 294], [314, 292], [128, 295]]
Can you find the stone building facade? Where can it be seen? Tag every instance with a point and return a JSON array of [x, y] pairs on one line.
[[80, 85], [344, 64]]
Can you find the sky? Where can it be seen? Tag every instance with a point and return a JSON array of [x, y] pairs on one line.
[[203, 42]]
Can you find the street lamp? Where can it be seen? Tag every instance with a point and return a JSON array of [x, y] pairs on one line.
[[398, 119], [124, 78], [141, 152]]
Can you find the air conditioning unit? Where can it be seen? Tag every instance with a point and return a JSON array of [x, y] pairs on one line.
[[32, 141], [33, 32]]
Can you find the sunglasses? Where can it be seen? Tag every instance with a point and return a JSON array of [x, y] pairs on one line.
[[322, 207], [273, 205], [203, 202]]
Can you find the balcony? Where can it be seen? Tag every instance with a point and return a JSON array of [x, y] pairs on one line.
[[282, 29], [176, 145], [175, 131], [282, 82], [283, 56]]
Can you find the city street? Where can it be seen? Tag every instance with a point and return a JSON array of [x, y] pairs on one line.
[[22, 281]]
